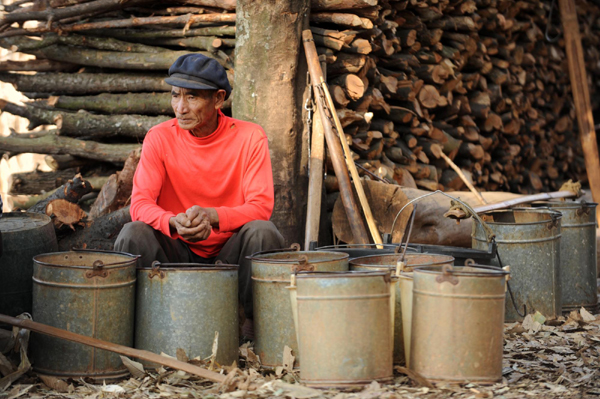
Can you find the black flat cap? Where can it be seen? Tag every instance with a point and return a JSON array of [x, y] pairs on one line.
[[197, 71]]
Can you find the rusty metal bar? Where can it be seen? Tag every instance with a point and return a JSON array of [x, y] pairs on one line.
[[120, 349]]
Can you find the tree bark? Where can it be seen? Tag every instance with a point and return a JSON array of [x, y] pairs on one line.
[[52, 144], [270, 69], [31, 183], [136, 34], [85, 83], [84, 124], [37, 66]]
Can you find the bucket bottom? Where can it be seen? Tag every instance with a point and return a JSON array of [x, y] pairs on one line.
[[592, 308], [108, 376], [456, 380], [344, 383]]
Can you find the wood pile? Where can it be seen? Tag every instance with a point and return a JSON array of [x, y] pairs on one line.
[[411, 79]]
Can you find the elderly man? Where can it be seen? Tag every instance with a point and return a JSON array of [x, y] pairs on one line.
[[203, 190]]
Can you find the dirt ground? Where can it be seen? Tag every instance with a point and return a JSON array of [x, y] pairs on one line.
[[542, 358]]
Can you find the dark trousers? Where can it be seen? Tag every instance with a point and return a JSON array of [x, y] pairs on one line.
[[138, 238]]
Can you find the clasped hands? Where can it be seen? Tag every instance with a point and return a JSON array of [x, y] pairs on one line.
[[195, 224]]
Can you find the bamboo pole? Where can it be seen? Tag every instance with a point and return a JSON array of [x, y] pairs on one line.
[[463, 178], [352, 168], [581, 96], [333, 143], [315, 181]]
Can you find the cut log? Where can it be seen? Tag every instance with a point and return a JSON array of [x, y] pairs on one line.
[[116, 193], [100, 233], [61, 162], [53, 144], [71, 191], [64, 213], [85, 83], [84, 124], [126, 103], [352, 85], [31, 183]]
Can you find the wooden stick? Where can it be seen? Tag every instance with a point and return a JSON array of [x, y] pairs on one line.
[[463, 178], [315, 181], [581, 96], [333, 143], [109, 346], [355, 177]]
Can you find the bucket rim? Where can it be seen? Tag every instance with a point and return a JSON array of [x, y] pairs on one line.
[[342, 274], [191, 267], [555, 216], [262, 257], [356, 246], [449, 258], [566, 205], [486, 271], [132, 259]]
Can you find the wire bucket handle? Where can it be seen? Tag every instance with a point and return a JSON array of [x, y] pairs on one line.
[[455, 202]]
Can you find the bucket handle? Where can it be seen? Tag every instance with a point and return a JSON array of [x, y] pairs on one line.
[[156, 272], [447, 275], [456, 202], [97, 270], [303, 265]]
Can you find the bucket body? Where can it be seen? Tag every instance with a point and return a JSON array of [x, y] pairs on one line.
[[273, 321], [458, 324], [183, 307], [403, 303], [90, 293], [528, 240], [24, 235], [345, 328], [577, 254]]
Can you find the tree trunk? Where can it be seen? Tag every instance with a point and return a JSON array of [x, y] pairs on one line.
[[270, 69]]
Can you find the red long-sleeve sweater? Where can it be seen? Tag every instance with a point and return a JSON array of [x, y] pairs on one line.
[[229, 170]]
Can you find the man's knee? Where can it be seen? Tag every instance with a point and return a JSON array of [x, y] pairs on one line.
[[262, 229], [133, 232]]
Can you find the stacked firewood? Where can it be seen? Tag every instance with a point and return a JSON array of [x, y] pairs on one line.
[[475, 80]]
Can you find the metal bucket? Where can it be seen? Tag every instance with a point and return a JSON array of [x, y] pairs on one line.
[[577, 254], [528, 240], [458, 323], [462, 256], [86, 292], [403, 306], [345, 327], [24, 235], [273, 321], [183, 306]]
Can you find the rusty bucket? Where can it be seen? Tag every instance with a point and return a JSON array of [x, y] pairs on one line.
[[186, 306], [403, 306], [273, 321], [344, 323], [86, 292], [458, 323], [577, 254], [528, 240]]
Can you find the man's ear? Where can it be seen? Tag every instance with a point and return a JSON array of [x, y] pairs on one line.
[[219, 97]]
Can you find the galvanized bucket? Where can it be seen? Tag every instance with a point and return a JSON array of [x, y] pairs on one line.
[[403, 294], [24, 235], [273, 321], [458, 323], [528, 240], [185, 306], [344, 326], [86, 292], [577, 254]]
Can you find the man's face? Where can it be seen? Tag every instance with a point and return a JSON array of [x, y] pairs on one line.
[[196, 109]]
